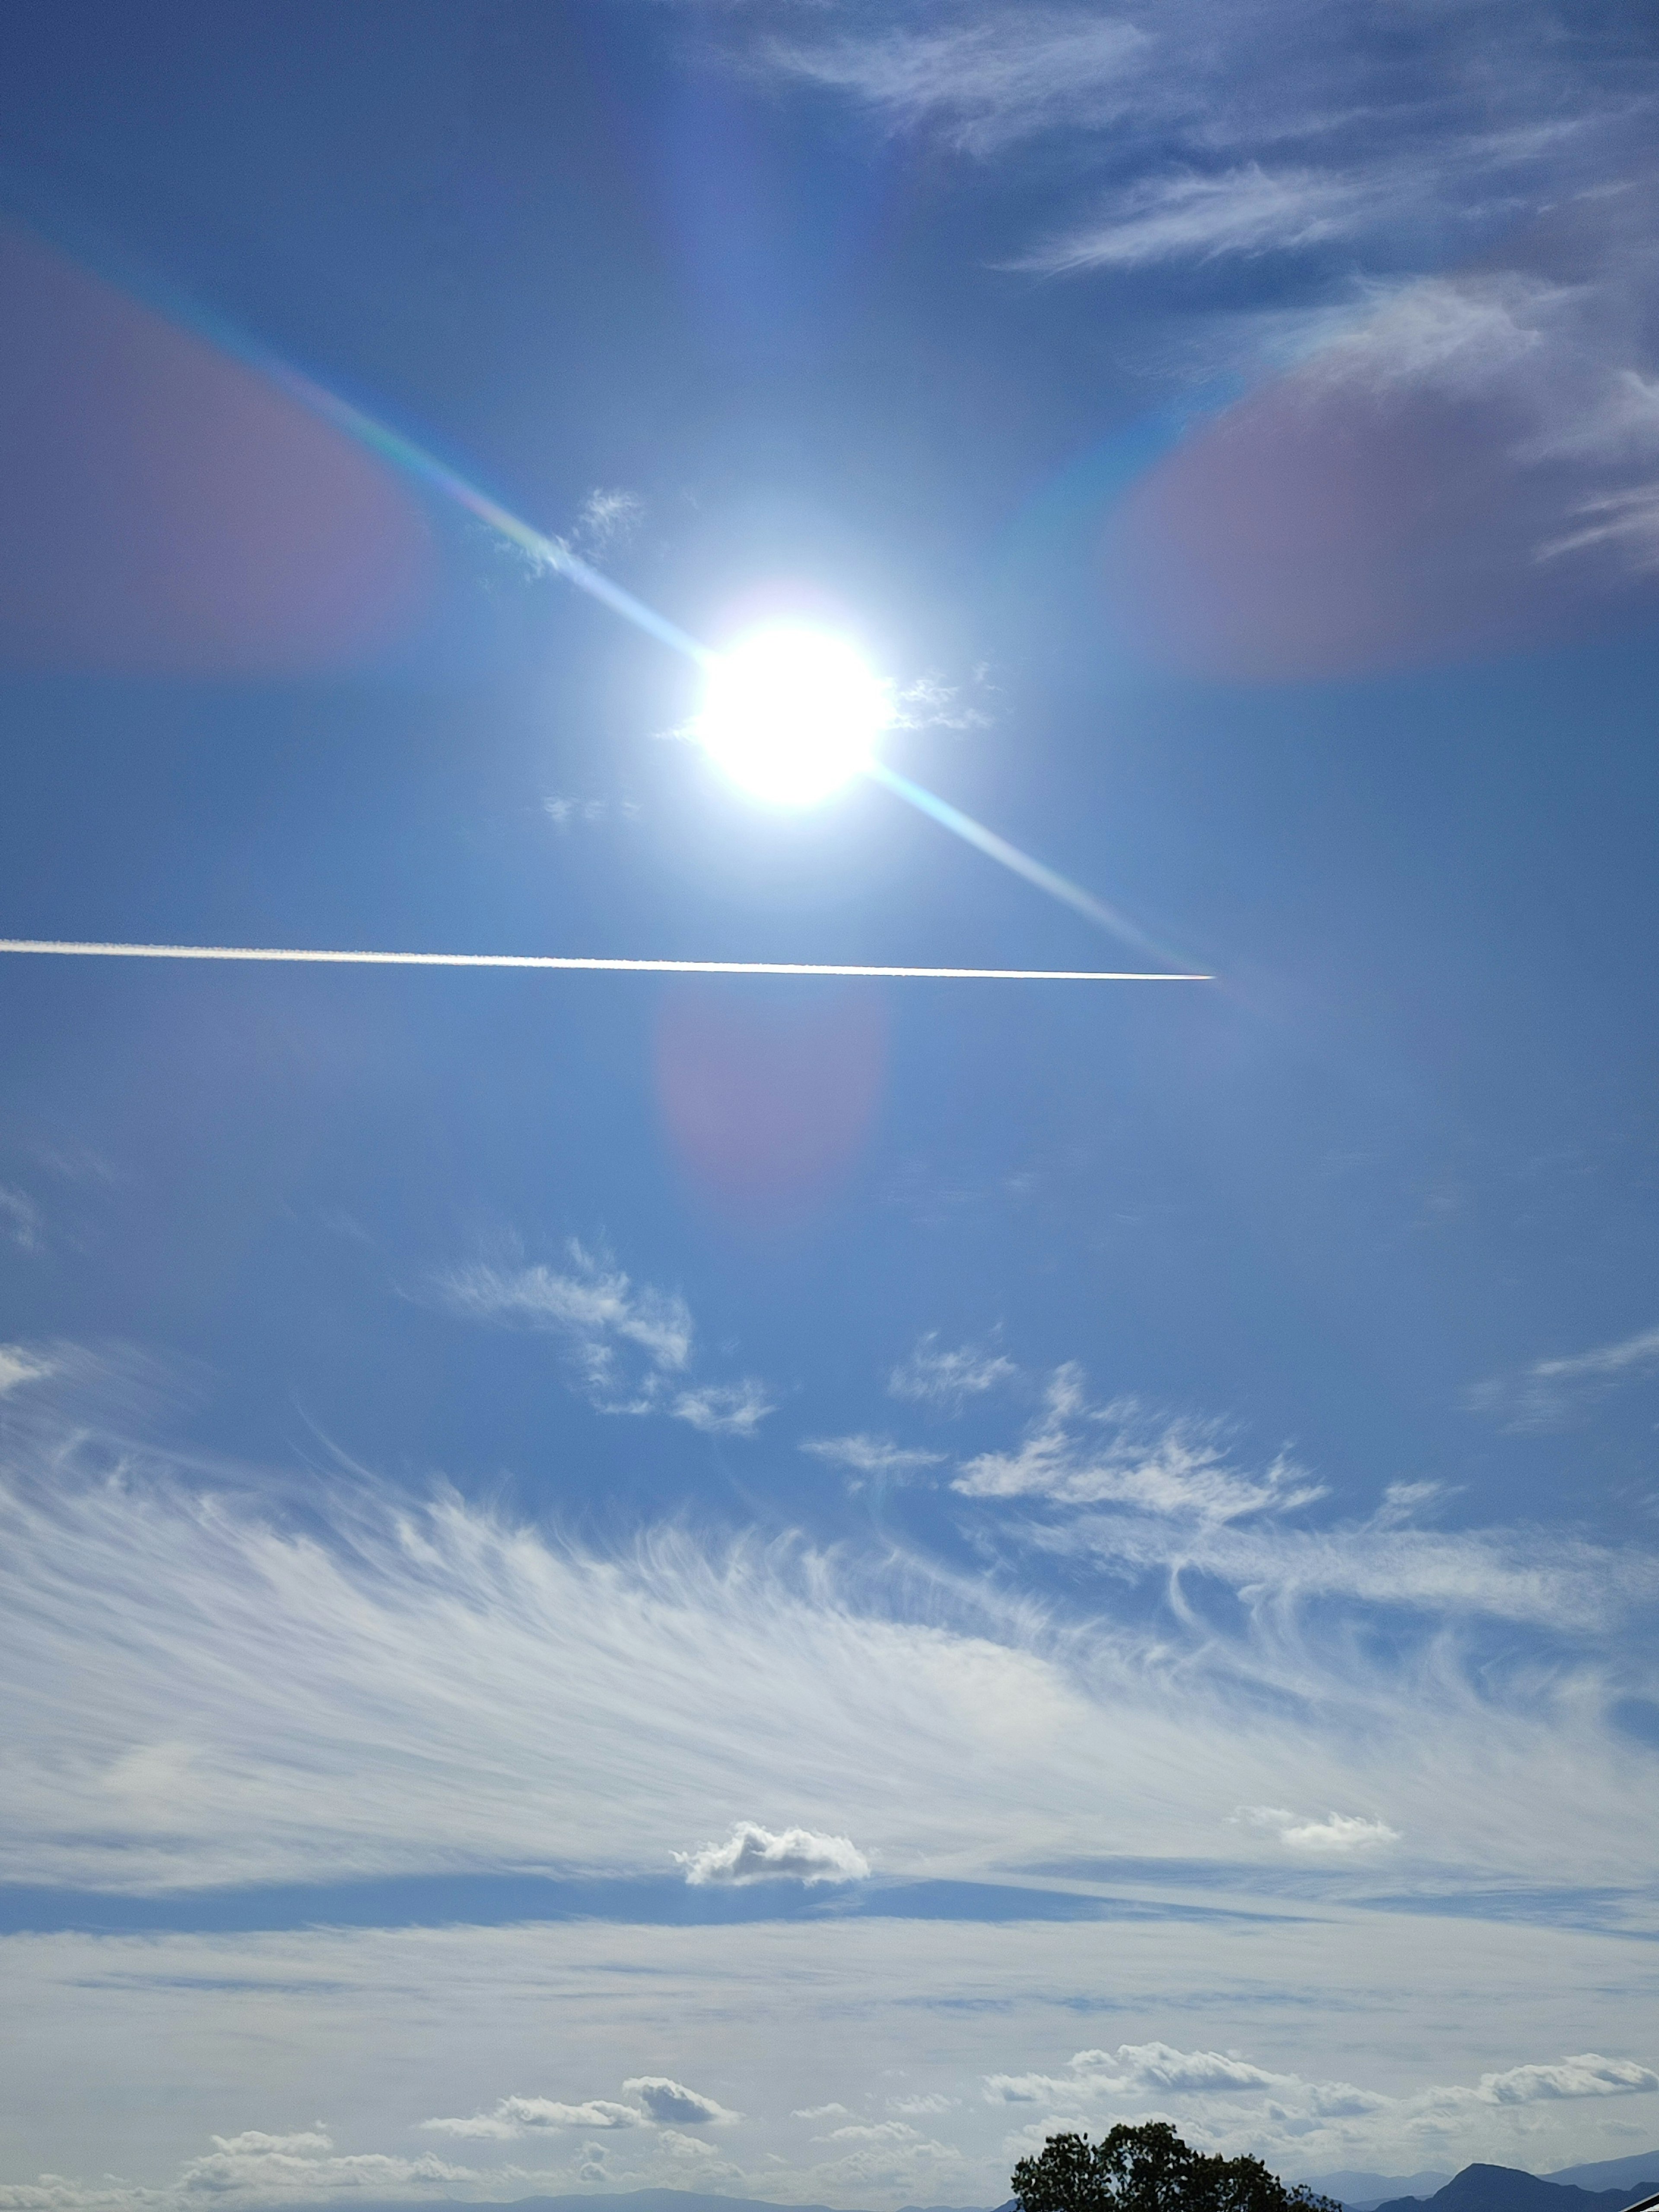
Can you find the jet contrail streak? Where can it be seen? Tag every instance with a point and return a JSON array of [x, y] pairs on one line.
[[556, 960]]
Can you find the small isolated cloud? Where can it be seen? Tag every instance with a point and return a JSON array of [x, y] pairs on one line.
[[916, 2108], [608, 519], [872, 1456], [931, 704], [752, 1854], [724, 1409], [671, 2104], [1337, 1835], [518, 2116], [821, 2112], [18, 1367], [1548, 1394], [948, 1379], [564, 811], [873, 2131], [1075, 1455]]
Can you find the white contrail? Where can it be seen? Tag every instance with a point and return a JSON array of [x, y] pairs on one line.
[[556, 960]]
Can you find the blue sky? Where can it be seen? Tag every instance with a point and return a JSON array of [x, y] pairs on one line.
[[778, 1585]]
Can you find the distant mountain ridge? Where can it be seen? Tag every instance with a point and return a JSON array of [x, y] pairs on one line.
[[1476, 2188], [1506, 2189]]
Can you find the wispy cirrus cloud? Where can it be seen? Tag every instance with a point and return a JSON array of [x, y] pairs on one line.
[[984, 78], [1196, 216], [1551, 1392], [866, 1456], [949, 1378], [21, 1222], [203, 1693], [1078, 1455], [630, 1346]]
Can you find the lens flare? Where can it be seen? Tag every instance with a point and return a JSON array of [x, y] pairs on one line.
[[792, 714]]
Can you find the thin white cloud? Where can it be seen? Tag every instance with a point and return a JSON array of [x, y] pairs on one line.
[[590, 1303], [986, 80], [1077, 1455], [1190, 216], [671, 2104], [724, 1409], [21, 1222], [872, 1456], [18, 1366], [948, 1379], [752, 1854], [1546, 1394], [630, 1345], [608, 518], [1334, 1835]]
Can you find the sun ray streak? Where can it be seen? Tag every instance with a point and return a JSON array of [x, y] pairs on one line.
[[997, 849], [352, 959]]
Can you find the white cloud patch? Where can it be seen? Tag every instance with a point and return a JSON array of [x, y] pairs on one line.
[[257, 2166], [987, 80], [1589, 2074], [1333, 1835], [517, 2115], [671, 2104], [724, 1409], [1137, 2075], [931, 1376], [867, 1455], [630, 1345], [608, 518], [1193, 217], [18, 1367], [21, 1222], [752, 1854], [1546, 1394], [1077, 1455]]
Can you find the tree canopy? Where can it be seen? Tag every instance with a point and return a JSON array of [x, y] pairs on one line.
[[1150, 2169]]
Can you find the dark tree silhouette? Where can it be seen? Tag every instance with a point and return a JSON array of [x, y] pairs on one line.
[[1150, 2169]]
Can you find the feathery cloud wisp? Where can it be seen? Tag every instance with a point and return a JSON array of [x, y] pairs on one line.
[[1546, 1394], [948, 1379]]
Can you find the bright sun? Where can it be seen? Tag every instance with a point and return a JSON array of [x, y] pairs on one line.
[[791, 714]]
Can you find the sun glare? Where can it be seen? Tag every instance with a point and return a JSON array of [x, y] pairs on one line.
[[792, 714]]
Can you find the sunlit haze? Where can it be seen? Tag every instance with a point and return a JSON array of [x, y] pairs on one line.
[[792, 714]]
